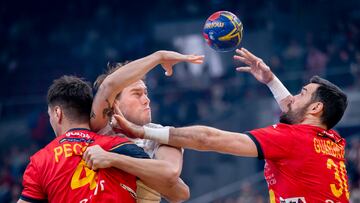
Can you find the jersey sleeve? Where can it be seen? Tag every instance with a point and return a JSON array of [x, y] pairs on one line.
[[32, 191], [273, 142]]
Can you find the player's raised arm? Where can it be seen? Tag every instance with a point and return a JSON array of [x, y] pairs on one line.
[[263, 74], [194, 137], [129, 73]]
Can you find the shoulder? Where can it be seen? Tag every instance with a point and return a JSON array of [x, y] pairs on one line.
[[279, 127], [109, 142]]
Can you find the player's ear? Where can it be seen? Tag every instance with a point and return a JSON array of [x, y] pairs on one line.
[[58, 114], [316, 108]]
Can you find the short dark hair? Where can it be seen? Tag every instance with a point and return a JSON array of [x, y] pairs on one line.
[[333, 98], [73, 95], [111, 68]]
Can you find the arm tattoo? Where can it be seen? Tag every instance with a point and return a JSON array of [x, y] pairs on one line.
[[92, 114], [107, 112]]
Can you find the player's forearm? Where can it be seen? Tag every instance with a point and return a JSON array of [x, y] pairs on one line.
[[211, 139], [195, 137], [172, 155], [178, 192], [131, 73], [147, 170], [280, 93]]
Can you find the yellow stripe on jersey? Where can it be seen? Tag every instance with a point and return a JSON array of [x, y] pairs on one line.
[[121, 144]]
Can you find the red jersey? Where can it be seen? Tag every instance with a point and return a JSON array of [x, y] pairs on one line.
[[57, 172], [303, 163]]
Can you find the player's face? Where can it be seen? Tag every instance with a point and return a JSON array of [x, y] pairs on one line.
[[134, 103], [298, 106]]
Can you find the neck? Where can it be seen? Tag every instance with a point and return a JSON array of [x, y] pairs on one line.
[[70, 126], [314, 122]]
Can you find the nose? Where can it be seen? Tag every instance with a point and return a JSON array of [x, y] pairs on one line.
[[145, 99], [292, 99]]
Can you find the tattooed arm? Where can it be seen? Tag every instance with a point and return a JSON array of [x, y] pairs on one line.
[[114, 83]]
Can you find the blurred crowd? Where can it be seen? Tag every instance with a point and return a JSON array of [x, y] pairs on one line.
[[79, 38]]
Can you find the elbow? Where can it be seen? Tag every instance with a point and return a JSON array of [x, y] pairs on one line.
[[182, 194], [106, 84], [171, 173], [172, 176]]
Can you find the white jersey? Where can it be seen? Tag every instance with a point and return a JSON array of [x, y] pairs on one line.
[[149, 146]]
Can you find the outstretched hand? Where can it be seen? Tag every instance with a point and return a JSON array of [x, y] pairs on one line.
[[256, 66], [130, 129], [169, 58]]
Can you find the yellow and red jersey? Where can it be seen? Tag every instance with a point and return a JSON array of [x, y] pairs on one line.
[[303, 163], [57, 173]]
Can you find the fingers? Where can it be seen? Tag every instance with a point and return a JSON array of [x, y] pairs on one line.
[[87, 158], [90, 157], [120, 120], [197, 59], [116, 108], [249, 54], [244, 69], [243, 59]]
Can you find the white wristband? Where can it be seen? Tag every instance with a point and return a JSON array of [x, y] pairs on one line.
[[278, 89], [160, 135]]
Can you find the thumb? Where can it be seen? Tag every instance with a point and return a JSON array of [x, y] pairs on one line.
[[168, 69]]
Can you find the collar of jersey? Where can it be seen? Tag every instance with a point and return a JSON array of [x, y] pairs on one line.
[[75, 129]]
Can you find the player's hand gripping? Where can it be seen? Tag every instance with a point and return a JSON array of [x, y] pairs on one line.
[[256, 66], [169, 58], [96, 157], [130, 129]]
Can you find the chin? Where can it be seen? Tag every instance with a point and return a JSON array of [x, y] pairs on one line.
[[147, 121]]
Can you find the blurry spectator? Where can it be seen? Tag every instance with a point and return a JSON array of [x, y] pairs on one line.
[[316, 62], [355, 70], [249, 195], [355, 192], [5, 184], [276, 65], [293, 56]]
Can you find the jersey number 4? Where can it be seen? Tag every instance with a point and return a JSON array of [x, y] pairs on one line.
[[340, 175], [89, 178]]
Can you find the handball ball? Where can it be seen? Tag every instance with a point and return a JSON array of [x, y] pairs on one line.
[[223, 31]]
